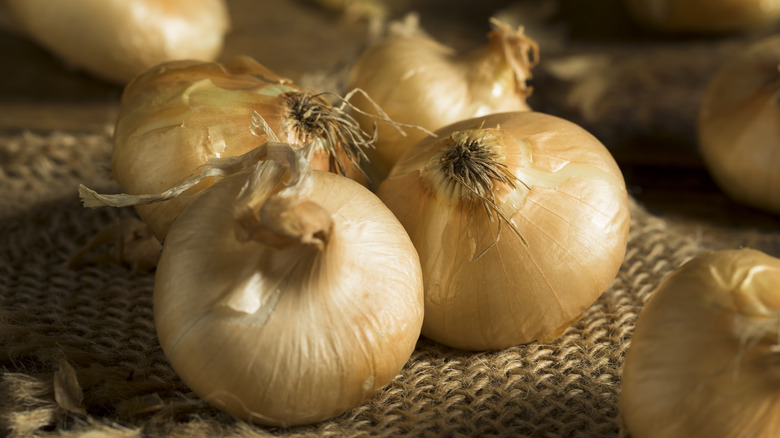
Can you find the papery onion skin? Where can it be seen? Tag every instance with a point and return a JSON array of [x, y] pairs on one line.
[[739, 126], [703, 359], [418, 81], [704, 16], [346, 322], [576, 230], [178, 115], [119, 39]]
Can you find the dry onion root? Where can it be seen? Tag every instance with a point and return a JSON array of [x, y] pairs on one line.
[[421, 82], [126, 241], [739, 126], [704, 358], [179, 115], [286, 296], [520, 221], [704, 16], [119, 39]]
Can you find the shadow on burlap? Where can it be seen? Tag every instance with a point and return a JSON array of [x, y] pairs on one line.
[[79, 352]]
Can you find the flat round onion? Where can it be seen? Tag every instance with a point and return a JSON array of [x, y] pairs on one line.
[[703, 359], [177, 116], [418, 81], [704, 16], [119, 39], [295, 328], [520, 220], [739, 126]]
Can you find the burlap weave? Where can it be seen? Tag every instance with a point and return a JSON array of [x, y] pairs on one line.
[[94, 324]]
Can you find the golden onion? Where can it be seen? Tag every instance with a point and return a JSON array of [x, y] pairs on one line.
[[287, 296], [520, 221], [179, 115], [418, 81], [739, 125], [703, 360]]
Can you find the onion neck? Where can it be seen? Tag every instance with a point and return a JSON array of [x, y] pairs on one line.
[[296, 234], [754, 299], [505, 63], [282, 222], [278, 212]]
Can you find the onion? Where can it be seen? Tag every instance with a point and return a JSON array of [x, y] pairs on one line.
[[179, 115], [520, 220], [704, 16], [739, 126], [703, 360], [287, 298], [119, 39], [421, 82]]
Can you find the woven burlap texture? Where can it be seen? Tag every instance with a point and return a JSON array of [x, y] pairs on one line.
[[90, 329]]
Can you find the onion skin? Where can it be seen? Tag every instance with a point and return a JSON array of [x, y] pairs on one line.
[[575, 220], [704, 16], [703, 359], [418, 81], [119, 39], [346, 322], [175, 117], [739, 126]]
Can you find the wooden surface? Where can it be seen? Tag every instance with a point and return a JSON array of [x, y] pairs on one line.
[[646, 116]]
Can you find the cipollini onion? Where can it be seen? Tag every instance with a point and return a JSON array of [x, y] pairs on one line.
[[287, 296], [418, 81], [704, 16], [739, 125], [176, 116], [703, 359], [520, 220], [119, 39]]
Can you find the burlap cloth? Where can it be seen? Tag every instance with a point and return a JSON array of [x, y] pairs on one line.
[[79, 351]]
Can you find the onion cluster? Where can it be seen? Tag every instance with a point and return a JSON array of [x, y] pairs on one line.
[[287, 293]]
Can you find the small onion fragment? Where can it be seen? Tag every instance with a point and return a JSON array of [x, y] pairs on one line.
[[520, 220], [704, 360], [739, 126], [287, 304]]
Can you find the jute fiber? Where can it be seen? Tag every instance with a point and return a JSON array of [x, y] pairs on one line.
[[79, 355]]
